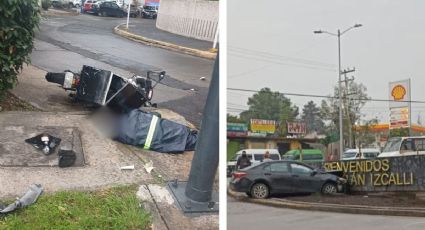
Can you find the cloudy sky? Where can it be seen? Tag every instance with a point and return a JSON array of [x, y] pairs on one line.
[[271, 44]]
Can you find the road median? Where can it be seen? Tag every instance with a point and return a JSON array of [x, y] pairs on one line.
[[354, 209], [119, 30]]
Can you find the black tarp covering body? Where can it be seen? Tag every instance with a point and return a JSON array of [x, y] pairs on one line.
[[166, 136]]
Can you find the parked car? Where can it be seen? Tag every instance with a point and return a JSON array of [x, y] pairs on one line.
[[404, 146], [110, 9], [88, 6], [304, 155], [134, 11], [284, 177], [354, 154], [149, 12], [254, 155], [75, 3]]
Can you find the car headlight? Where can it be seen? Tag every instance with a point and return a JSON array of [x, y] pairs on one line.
[[341, 180]]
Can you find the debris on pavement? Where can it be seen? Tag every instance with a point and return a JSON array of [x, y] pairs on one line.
[[140, 128], [149, 167], [128, 167], [44, 142], [29, 198], [202, 78]]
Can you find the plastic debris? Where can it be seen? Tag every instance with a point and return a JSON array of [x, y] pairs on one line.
[[44, 142], [202, 78], [29, 198], [128, 167], [149, 167]]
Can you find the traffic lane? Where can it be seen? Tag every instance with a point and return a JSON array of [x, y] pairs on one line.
[[73, 33], [241, 215]]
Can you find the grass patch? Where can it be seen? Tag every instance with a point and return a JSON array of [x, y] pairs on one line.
[[115, 208]]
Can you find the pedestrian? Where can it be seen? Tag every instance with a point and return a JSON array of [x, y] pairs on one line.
[[243, 161], [267, 157]]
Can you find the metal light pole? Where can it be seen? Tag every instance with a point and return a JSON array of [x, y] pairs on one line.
[[339, 34]]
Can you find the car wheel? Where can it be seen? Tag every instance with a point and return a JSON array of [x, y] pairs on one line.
[[103, 13], [99, 14], [259, 191], [329, 188], [77, 5]]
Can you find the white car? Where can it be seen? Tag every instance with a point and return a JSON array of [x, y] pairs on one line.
[[75, 3], [404, 146], [355, 154], [254, 155]]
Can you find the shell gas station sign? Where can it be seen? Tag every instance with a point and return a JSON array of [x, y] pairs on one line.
[[400, 99]]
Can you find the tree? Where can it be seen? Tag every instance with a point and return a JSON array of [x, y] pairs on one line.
[[18, 20], [311, 116], [234, 119], [354, 98], [400, 132], [363, 134], [270, 105]]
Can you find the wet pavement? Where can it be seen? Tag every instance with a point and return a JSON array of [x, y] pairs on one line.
[[67, 42], [248, 216]]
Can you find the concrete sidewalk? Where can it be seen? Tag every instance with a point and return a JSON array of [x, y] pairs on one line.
[[146, 33], [147, 28]]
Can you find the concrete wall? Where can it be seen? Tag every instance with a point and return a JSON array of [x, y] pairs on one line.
[[191, 18]]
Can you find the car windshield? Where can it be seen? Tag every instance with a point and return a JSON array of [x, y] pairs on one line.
[[349, 155], [392, 145], [149, 8]]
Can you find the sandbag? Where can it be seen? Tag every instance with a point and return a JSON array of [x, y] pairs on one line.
[[151, 132]]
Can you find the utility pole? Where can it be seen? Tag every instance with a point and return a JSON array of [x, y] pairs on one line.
[[339, 34], [346, 106]]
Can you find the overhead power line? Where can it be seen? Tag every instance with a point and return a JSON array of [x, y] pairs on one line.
[[322, 96]]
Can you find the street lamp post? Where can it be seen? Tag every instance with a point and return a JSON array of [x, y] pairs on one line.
[[339, 34]]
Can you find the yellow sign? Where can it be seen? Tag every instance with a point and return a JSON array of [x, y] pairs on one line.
[[398, 92], [263, 126], [370, 172]]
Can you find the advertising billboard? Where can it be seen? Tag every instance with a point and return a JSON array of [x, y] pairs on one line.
[[400, 100], [263, 126], [296, 127]]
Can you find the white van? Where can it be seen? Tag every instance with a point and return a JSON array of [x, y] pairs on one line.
[[354, 154], [254, 155], [404, 146]]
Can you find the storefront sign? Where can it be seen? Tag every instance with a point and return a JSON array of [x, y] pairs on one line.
[[236, 134], [254, 134], [383, 174], [263, 126], [296, 127], [237, 127]]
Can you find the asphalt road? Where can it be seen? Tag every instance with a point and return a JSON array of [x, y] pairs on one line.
[[68, 42], [252, 216]]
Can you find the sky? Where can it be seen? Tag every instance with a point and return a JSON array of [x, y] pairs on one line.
[[271, 44]]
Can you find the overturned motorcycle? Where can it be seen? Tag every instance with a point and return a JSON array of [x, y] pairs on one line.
[[124, 97], [104, 88]]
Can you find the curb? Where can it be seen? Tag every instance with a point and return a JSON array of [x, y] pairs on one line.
[[353, 209], [164, 45]]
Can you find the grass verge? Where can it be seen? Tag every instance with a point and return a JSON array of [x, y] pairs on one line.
[[114, 208]]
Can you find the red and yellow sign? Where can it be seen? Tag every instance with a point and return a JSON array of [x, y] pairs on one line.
[[398, 92]]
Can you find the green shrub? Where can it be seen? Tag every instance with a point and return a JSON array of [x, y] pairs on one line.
[[18, 20], [45, 4]]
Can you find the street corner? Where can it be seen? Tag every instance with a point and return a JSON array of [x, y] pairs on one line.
[[124, 32], [166, 212]]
